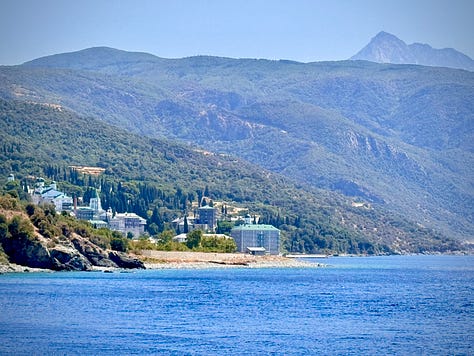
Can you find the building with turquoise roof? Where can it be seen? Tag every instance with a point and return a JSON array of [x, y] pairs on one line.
[[248, 236]]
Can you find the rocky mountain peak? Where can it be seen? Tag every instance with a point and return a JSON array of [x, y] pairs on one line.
[[388, 48]]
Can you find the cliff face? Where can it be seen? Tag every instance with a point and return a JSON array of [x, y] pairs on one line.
[[78, 254], [24, 244]]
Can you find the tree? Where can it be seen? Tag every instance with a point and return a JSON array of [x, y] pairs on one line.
[[186, 227], [224, 227], [199, 195], [156, 219], [119, 244], [20, 228], [165, 236], [193, 239], [153, 229], [3, 227], [30, 209]]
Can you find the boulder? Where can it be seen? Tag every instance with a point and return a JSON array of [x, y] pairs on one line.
[[125, 261], [96, 255], [69, 259]]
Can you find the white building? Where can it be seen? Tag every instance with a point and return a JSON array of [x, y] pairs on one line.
[[180, 238], [50, 195], [178, 224], [128, 222]]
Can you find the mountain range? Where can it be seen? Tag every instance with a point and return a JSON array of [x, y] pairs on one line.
[[144, 174], [397, 137], [387, 48]]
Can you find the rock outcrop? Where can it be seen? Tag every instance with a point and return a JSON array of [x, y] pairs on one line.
[[125, 261], [75, 253], [94, 254], [65, 258], [27, 252]]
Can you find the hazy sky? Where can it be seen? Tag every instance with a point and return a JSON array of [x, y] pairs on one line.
[[302, 30]]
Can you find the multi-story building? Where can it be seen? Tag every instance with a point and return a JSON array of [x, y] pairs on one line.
[[179, 225], [249, 236], [207, 218], [42, 194], [128, 222], [92, 212]]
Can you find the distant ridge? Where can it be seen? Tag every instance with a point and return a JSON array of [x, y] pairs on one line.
[[91, 58], [395, 136], [387, 48]]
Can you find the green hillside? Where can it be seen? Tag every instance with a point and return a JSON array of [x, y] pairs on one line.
[[156, 174], [396, 135]]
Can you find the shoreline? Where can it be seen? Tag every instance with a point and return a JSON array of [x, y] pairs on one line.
[[169, 260], [14, 268], [159, 260], [210, 260]]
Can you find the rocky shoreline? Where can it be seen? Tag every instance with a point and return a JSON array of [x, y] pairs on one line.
[[154, 260], [14, 268]]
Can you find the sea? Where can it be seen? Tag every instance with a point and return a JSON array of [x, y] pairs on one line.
[[392, 305]]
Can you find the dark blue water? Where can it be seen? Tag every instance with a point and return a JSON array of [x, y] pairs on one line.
[[365, 306]]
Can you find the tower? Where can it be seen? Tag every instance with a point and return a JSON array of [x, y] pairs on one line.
[[95, 204]]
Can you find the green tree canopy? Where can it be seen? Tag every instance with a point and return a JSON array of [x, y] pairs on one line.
[[194, 238]]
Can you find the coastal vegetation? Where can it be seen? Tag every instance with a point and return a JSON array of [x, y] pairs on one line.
[[36, 236], [161, 180], [195, 242]]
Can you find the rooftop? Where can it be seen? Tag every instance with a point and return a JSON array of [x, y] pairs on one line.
[[207, 207], [256, 249], [250, 227]]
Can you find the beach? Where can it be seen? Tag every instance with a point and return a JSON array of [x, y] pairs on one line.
[[191, 260], [194, 260]]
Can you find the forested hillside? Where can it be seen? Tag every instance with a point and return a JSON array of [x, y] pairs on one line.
[[400, 136], [159, 179]]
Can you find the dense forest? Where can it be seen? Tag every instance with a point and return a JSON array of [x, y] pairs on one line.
[[160, 181], [399, 136]]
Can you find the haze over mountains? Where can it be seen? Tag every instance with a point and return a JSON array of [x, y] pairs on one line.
[[387, 48], [395, 136]]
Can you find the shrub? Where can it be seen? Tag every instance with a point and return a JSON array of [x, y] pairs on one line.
[[3, 256], [8, 202], [21, 229], [141, 244], [119, 244], [30, 209], [172, 246]]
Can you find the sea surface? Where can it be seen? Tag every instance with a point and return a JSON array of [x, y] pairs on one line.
[[400, 305]]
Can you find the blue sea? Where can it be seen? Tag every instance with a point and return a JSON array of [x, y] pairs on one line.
[[398, 305]]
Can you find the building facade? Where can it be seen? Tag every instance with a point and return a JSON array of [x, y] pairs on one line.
[[42, 194], [128, 222], [257, 235], [92, 212], [207, 217]]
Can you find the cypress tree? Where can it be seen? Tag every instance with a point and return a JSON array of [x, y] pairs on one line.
[[186, 228]]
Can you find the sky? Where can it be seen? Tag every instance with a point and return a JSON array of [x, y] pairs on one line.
[[300, 30]]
